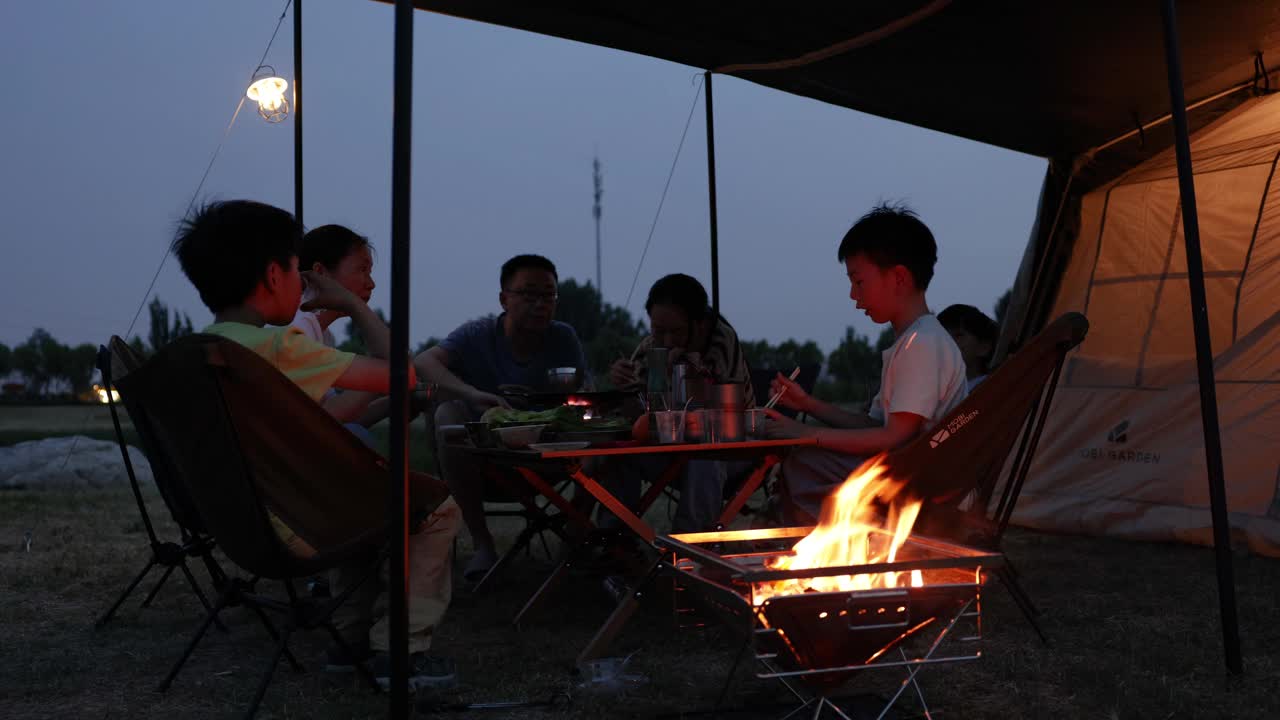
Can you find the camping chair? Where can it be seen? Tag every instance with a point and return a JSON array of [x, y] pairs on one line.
[[231, 422], [504, 487], [193, 541], [961, 459]]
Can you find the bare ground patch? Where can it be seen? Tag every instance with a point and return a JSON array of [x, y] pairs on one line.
[[1134, 628]]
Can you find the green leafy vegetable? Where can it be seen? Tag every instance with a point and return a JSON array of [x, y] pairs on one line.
[[566, 418]]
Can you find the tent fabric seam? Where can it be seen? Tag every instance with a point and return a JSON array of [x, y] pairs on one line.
[[1160, 284], [1248, 255], [854, 43], [1151, 277]]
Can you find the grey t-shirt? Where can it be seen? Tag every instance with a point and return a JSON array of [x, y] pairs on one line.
[[481, 356]]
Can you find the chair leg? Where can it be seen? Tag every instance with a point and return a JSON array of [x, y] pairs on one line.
[[521, 543], [1016, 587], [152, 595], [1013, 576], [1023, 602], [223, 599], [216, 573], [275, 635], [191, 580], [281, 649], [546, 549], [106, 617]]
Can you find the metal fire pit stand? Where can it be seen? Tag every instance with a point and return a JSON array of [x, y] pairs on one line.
[[820, 639]]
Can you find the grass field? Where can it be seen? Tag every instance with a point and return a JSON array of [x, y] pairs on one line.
[[1134, 632]]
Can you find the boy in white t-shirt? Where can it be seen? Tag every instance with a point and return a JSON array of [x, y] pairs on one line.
[[889, 255]]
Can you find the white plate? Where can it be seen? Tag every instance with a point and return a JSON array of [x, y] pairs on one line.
[[557, 446]]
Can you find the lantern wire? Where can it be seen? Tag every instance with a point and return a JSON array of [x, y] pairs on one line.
[[213, 158], [663, 199], [191, 203]]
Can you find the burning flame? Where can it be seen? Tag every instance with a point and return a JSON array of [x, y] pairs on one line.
[[575, 401], [851, 532]]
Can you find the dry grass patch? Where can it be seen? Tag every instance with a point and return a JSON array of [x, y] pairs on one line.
[[1134, 628]]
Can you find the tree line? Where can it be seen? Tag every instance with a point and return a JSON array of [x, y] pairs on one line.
[[607, 331], [52, 369]]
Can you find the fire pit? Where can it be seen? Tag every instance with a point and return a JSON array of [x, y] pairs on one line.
[[857, 592]]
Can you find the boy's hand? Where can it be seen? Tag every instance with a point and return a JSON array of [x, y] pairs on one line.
[[327, 294], [623, 373], [794, 396], [781, 427]]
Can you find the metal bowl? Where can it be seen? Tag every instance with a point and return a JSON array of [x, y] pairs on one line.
[[564, 379], [481, 435], [517, 437]]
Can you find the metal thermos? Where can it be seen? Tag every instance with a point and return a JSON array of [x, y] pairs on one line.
[[679, 384], [657, 384], [728, 401]]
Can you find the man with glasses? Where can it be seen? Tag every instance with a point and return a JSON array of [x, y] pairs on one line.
[[517, 347]]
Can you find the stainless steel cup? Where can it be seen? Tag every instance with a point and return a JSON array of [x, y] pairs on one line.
[[728, 400]]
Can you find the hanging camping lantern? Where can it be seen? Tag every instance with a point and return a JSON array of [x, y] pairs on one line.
[[267, 89]]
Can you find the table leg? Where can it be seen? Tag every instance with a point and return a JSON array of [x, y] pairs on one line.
[[535, 599], [618, 619], [615, 506], [669, 475], [545, 489], [573, 515], [747, 490]]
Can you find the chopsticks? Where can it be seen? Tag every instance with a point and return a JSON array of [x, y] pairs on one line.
[[777, 396]]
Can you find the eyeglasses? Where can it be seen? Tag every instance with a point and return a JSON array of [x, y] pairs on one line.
[[533, 296]]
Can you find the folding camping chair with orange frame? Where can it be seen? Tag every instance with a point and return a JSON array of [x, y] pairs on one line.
[[956, 467]]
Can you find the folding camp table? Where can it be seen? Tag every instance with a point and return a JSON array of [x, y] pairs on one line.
[[535, 466]]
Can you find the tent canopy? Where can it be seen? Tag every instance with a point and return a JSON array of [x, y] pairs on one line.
[[1057, 78], [1054, 78]]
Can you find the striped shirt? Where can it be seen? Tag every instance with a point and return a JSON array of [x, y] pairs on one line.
[[722, 358]]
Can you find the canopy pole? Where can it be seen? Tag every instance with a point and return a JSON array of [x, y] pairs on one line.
[[1204, 348], [297, 110], [711, 196], [397, 502]]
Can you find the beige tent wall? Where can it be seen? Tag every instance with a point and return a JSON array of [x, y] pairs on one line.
[[1123, 452]]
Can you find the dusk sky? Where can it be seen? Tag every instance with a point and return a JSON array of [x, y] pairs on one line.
[[113, 110]]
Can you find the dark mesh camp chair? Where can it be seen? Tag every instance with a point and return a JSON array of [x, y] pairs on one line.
[[505, 487], [232, 424], [114, 363], [958, 464]]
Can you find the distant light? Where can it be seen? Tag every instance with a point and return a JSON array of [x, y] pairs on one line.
[[268, 90], [102, 394]]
